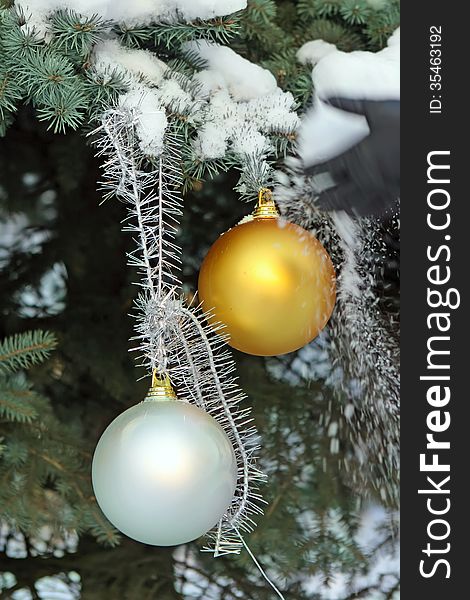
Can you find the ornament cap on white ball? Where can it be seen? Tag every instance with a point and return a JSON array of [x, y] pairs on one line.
[[164, 471]]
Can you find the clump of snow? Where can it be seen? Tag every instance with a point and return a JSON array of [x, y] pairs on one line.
[[151, 119], [311, 52], [211, 141], [360, 74], [326, 131], [228, 70], [139, 64], [245, 127], [243, 104], [142, 69], [171, 93], [249, 141], [135, 11]]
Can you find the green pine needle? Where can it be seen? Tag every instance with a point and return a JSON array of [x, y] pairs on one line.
[[133, 37], [23, 350], [172, 34], [301, 87], [15, 453], [220, 30], [46, 74], [307, 9], [101, 528], [77, 33], [355, 12], [103, 89], [66, 110], [17, 400], [262, 10], [342, 37], [381, 25], [19, 41], [10, 93], [327, 8]]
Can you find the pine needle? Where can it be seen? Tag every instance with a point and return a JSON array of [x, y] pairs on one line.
[[23, 350]]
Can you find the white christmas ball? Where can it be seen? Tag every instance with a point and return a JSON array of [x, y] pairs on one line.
[[164, 472]]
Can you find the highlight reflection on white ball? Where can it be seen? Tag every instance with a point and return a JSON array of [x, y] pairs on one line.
[[164, 472]]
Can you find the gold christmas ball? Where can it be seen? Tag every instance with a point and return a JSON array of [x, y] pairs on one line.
[[271, 283]]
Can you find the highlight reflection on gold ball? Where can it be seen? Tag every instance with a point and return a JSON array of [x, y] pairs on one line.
[[271, 283]]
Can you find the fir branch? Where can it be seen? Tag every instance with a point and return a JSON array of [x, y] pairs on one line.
[[19, 39], [355, 12], [10, 93], [194, 60], [66, 109], [259, 25], [343, 37], [23, 350], [133, 37], [256, 173], [197, 170], [219, 30], [382, 24], [54, 88], [102, 529], [46, 75], [103, 89], [307, 9], [17, 400], [76, 33], [285, 68], [327, 8], [301, 87], [171, 34], [16, 453], [262, 11]]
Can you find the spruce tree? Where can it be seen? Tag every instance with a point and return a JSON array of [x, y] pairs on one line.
[[66, 294]]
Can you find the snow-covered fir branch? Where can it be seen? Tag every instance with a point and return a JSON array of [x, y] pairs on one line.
[[138, 12]]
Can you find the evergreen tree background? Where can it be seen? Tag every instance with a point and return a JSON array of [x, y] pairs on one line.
[[65, 370]]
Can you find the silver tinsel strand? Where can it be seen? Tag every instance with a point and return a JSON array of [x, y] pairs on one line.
[[172, 338]]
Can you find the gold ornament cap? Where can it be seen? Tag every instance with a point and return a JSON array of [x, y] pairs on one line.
[[266, 208], [161, 388]]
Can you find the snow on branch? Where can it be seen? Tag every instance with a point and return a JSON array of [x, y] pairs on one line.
[[135, 12], [244, 105], [232, 109]]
